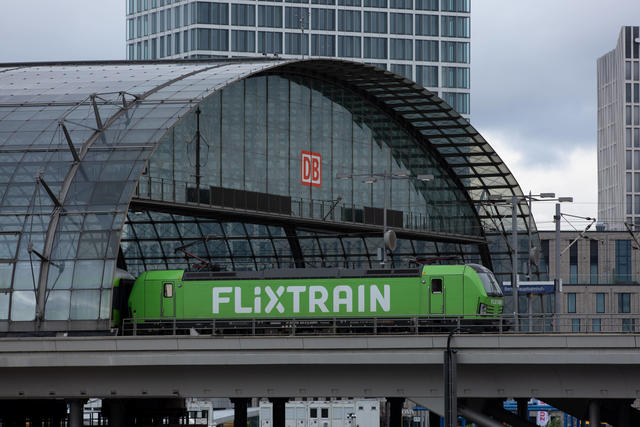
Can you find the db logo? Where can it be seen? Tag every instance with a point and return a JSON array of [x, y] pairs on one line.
[[311, 170]]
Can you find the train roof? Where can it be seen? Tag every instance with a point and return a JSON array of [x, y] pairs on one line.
[[301, 273]]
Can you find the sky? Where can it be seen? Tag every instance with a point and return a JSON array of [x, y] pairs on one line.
[[533, 77]]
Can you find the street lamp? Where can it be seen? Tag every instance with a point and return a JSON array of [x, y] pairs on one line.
[[514, 241], [373, 178]]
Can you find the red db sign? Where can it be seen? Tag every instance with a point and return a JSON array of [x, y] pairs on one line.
[[311, 169]]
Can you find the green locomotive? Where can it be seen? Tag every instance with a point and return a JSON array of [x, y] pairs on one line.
[[439, 291]]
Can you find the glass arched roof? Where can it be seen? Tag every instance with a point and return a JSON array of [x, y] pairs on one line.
[[75, 137]]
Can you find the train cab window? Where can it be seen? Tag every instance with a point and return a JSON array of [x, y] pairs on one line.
[[324, 412], [168, 290], [436, 286]]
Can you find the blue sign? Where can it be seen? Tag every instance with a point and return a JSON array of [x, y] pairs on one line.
[[530, 288]]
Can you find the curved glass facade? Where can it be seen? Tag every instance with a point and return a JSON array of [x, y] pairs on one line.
[[233, 163], [254, 136]]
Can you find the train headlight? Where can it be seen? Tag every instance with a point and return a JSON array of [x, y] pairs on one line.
[[482, 309]]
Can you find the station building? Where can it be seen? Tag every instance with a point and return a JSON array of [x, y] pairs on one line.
[[230, 165]]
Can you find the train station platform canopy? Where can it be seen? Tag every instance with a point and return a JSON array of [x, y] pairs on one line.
[[77, 141]]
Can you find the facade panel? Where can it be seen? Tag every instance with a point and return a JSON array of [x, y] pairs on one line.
[[377, 32]]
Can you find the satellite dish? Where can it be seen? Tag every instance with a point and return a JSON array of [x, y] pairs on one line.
[[390, 240]]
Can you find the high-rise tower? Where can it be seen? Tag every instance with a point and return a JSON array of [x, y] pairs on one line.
[[619, 132], [425, 40]]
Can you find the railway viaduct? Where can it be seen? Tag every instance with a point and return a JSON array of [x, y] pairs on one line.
[[585, 375]]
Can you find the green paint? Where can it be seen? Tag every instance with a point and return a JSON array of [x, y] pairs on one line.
[[461, 293]]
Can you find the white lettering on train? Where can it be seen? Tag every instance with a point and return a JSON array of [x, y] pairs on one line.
[[342, 299]]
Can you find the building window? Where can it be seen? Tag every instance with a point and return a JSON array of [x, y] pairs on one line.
[[596, 325], [212, 39], [243, 14], [600, 302], [573, 263], [401, 23], [459, 101], [375, 22], [375, 48], [349, 20], [455, 77], [427, 5], [427, 75], [401, 4], [243, 41], [402, 69], [455, 51], [349, 46], [296, 17], [295, 44], [212, 13], [571, 302], [427, 50], [323, 45], [455, 6], [355, 3], [270, 16], [455, 26], [375, 3], [575, 325], [269, 42], [628, 325], [624, 302], [401, 49], [623, 260], [323, 19], [426, 25], [544, 259]]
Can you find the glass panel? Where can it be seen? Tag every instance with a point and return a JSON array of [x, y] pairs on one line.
[[85, 305], [4, 305], [6, 270], [57, 307], [23, 305], [88, 274]]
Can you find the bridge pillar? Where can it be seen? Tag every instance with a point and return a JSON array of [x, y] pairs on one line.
[[75, 413], [395, 411], [523, 408], [279, 411], [594, 413], [240, 406]]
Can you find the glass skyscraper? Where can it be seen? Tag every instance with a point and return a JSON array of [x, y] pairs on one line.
[[619, 132], [427, 41]]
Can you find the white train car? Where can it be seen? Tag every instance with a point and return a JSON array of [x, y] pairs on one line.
[[325, 413]]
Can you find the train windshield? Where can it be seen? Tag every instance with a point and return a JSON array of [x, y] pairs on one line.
[[488, 280]]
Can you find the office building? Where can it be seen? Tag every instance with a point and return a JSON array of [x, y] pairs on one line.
[[427, 41], [619, 132]]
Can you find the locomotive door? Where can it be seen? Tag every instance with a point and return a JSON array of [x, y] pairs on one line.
[[168, 300], [436, 295]]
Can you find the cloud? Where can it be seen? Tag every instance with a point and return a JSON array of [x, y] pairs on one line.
[[534, 69], [576, 177]]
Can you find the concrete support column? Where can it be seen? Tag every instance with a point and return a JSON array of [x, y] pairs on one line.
[[624, 416], [395, 411], [279, 411], [75, 414], [523, 408], [117, 413], [594, 414], [240, 406], [434, 419]]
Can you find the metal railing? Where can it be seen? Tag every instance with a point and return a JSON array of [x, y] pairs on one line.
[[410, 325], [165, 190]]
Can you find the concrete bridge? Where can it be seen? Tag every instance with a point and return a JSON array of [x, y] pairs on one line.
[[581, 374]]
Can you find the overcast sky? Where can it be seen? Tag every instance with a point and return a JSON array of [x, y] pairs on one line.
[[533, 76]]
